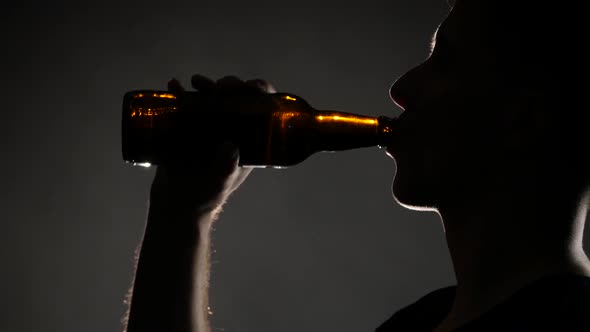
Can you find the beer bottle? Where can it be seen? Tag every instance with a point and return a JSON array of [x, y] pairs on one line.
[[271, 130]]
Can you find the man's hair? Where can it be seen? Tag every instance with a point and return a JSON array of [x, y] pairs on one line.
[[538, 45]]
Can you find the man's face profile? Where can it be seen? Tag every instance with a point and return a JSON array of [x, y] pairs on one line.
[[476, 114], [446, 132]]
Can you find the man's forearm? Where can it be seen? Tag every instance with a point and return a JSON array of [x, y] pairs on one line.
[[170, 289]]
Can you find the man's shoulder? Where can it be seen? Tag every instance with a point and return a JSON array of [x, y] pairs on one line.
[[558, 301], [422, 315], [554, 303]]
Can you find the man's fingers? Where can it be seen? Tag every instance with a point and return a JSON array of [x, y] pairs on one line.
[[202, 83], [261, 85], [227, 83], [230, 83], [174, 86]]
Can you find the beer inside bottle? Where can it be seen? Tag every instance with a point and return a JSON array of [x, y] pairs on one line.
[[271, 130]]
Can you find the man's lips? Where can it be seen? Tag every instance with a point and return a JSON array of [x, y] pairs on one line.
[[389, 152], [394, 138]]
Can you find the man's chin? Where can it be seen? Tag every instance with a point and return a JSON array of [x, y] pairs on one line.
[[412, 196]]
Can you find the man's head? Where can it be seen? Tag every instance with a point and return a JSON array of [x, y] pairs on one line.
[[497, 107]]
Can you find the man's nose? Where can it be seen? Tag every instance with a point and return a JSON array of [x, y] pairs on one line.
[[396, 96], [403, 90]]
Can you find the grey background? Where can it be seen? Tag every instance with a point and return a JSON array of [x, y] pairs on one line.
[[321, 246]]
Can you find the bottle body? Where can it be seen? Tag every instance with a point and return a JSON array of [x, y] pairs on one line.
[[271, 130]]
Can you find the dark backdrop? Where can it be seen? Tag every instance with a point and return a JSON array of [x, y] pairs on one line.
[[318, 247]]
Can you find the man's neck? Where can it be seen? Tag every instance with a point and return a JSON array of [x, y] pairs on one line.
[[495, 252]]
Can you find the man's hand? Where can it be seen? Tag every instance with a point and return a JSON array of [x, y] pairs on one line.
[[170, 290], [204, 182]]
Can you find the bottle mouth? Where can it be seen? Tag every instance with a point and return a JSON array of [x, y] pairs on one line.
[[387, 128]]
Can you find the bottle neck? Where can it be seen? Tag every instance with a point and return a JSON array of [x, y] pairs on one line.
[[343, 131]]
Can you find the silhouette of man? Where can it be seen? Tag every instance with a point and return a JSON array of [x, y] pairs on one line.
[[493, 138]]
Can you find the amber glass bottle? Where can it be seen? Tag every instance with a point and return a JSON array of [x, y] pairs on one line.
[[271, 130]]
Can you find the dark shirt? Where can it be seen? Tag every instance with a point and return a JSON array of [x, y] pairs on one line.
[[558, 303]]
